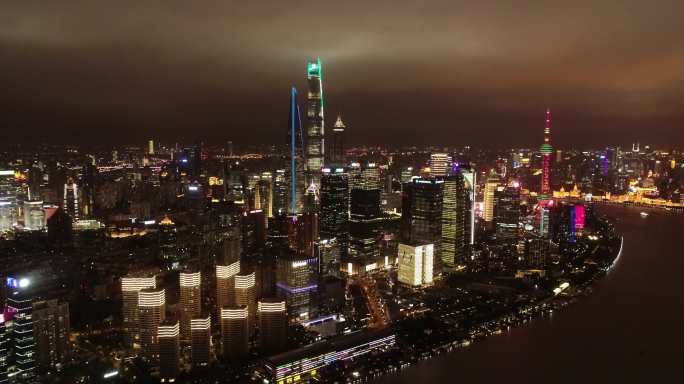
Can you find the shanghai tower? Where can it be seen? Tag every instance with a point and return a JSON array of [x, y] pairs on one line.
[[315, 145]]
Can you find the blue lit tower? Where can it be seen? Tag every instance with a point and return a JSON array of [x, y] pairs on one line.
[[315, 131], [295, 143]]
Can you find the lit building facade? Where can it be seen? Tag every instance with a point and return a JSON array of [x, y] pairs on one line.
[[334, 213], [336, 156], [546, 152], [200, 331], [422, 206], [491, 185], [454, 220], [235, 332], [168, 335], [315, 130], [51, 329], [416, 264], [245, 292], [190, 301], [130, 290], [225, 284], [152, 312], [272, 320], [296, 283], [440, 163], [23, 345]]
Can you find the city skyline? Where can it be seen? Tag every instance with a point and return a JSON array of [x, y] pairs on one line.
[[479, 74]]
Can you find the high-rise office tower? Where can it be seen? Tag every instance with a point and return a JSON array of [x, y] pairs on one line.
[[440, 163], [253, 226], [280, 192], [454, 220], [4, 349], [364, 221], [225, 284], [150, 147], [491, 186], [315, 130], [130, 290], [546, 151], [20, 305], [200, 348], [336, 153], [470, 179], [235, 331], [168, 242], [421, 213], [296, 282], [507, 211], [151, 313], [51, 333], [190, 301], [272, 326], [168, 334], [245, 292], [70, 200], [416, 264], [296, 155], [34, 215], [334, 216]]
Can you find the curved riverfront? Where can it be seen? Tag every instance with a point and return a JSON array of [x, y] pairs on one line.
[[629, 329]]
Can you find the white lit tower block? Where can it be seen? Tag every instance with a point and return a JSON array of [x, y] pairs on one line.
[[190, 301], [272, 314], [130, 289], [168, 334], [315, 128], [235, 331], [225, 284], [152, 312], [439, 164], [416, 264], [200, 329], [245, 292]]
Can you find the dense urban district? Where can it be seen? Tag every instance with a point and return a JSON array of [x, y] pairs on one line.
[[305, 261]]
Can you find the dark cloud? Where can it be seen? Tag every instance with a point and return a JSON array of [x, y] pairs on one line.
[[477, 72]]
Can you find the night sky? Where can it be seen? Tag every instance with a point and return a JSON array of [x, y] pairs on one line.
[[445, 72]]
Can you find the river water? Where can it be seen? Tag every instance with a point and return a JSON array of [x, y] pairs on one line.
[[629, 330]]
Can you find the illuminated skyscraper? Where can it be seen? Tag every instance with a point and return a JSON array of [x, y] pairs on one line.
[[235, 332], [200, 330], [336, 152], [150, 147], [51, 333], [245, 292], [454, 220], [416, 264], [490, 188], [334, 216], [421, 213], [546, 151], [315, 130], [225, 284], [152, 312], [296, 154], [34, 215], [130, 290], [70, 200], [470, 179], [169, 351], [507, 211], [272, 326], [190, 301], [20, 306], [439, 164], [296, 276]]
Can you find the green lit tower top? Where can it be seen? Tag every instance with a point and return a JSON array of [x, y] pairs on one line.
[[315, 131]]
